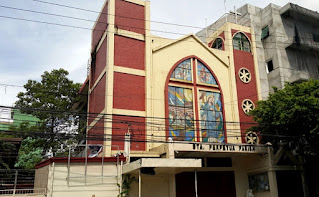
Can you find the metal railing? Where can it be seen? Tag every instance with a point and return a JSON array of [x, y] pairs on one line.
[[25, 192], [16, 179], [73, 153]]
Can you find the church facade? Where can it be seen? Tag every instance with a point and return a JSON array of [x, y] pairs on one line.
[[176, 109]]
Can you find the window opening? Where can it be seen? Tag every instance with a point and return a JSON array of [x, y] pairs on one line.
[[183, 71], [241, 42], [218, 44], [264, 32], [181, 104], [211, 117], [315, 37], [270, 66]]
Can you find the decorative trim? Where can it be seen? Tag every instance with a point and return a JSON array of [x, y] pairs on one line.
[[138, 2], [244, 75], [97, 80], [131, 71], [129, 34], [247, 105], [128, 112], [101, 41], [96, 120], [252, 138]]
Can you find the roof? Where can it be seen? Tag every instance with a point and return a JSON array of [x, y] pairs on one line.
[[301, 11], [196, 39], [85, 87]]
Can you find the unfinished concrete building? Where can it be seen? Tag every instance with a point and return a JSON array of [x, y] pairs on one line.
[[287, 41]]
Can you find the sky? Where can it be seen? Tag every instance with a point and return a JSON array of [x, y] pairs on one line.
[[27, 49]]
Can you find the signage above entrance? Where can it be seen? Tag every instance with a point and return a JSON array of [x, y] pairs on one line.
[[220, 148]]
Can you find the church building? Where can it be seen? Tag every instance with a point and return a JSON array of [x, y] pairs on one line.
[[176, 110]]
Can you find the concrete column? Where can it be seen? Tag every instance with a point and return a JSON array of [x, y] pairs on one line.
[[109, 74], [139, 183], [148, 76], [273, 183], [172, 185]]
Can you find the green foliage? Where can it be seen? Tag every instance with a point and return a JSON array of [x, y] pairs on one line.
[[49, 100], [30, 153], [293, 111], [24, 129], [54, 92], [126, 184]]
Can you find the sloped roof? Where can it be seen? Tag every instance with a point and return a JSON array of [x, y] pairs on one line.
[[196, 39]]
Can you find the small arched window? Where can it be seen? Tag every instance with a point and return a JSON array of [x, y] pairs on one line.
[[218, 44], [241, 42], [195, 108]]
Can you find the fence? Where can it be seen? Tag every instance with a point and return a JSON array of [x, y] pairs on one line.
[[24, 192], [16, 179]]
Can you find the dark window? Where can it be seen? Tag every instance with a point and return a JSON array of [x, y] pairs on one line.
[[259, 182], [270, 66], [315, 37], [265, 32], [218, 44], [241, 42], [218, 162]]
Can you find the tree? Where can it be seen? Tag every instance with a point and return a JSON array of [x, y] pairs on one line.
[[30, 153], [289, 120], [293, 114], [51, 101]]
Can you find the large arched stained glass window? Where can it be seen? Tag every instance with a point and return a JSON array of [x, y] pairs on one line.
[[195, 110]]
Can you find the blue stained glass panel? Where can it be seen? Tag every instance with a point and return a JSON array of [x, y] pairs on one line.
[[183, 71], [204, 75], [211, 116], [171, 95], [180, 99]]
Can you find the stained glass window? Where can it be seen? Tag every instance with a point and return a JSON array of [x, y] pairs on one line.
[[181, 104], [181, 114], [211, 116], [183, 71], [204, 75]]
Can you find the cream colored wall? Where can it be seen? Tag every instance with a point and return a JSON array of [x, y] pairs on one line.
[[152, 186], [41, 177], [164, 59], [58, 185], [251, 165]]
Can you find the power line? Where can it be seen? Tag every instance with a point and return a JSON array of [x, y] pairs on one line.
[[100, 114], [44, 22], [97, 12]]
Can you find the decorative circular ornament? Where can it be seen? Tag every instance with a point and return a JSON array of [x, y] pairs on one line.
[[247, 106], [244, 75], [252, 138]]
